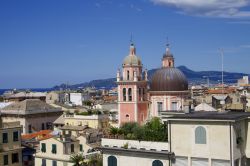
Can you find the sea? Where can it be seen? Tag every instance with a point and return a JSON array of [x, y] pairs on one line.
[[31, 89]]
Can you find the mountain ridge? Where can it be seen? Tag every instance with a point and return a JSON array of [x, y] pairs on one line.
[[194, 77]]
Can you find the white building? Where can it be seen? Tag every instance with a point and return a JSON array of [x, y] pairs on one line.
[[75, 99], [194, 139], [135, 153]]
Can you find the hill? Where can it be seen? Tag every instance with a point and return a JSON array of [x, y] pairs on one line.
[[194, 77]]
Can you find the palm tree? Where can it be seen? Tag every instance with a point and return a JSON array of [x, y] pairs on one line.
[[78, 160], [95, 160]]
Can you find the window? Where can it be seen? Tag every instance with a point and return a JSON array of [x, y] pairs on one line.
[[81, 148], [15, 158], [43, 162], [200, 135], [15, 136], [140, 95], [43, 126], [54, 163], [5, 160], [112, 161], [143, 93], [72, 148], [5, 137], [124, 94], [127, 75], [157, 163], [159, 107], [53, 148], [129, 94], [174, 106], [127, 117], [30, 129], [43, 147]]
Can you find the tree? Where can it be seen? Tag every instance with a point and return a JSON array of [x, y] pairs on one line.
[[95, 160], [78, 160]]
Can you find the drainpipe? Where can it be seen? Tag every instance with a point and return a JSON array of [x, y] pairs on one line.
[[230, 128], [169, 138]]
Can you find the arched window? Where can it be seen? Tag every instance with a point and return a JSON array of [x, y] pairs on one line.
[[127, 75], [200, 135], [140, 96], [124, 94], [112, 161], [129, 94], [157, 163]]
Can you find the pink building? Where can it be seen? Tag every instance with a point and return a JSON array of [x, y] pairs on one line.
[[132, 90], [137, 103], [168, 87]]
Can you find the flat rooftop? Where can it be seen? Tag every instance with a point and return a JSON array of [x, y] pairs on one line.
[[225, 116]]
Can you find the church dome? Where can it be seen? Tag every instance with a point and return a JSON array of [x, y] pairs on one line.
[[168, 79], [132, 59]]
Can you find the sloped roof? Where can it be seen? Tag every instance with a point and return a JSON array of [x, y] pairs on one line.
[[41, 135], [59, 120], [29, 106], [204, 107]]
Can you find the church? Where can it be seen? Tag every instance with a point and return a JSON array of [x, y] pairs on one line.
[[140, 99]]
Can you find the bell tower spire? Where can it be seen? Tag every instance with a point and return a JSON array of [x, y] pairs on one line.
[[168, 59]]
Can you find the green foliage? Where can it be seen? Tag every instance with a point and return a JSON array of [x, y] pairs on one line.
[[1, 99], [95, 160], [154, 130], [89, 112], [113, 130], [125, 146], [87, 103], [78, 160]]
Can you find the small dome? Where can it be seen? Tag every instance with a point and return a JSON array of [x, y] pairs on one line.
[[132, 60], [168, 79]]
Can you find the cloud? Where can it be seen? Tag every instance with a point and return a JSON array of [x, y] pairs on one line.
[[132, 6], [245, 46], [210, 8], [240, 22]]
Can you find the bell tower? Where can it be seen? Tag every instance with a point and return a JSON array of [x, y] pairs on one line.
[[132, 89], [168, 59]]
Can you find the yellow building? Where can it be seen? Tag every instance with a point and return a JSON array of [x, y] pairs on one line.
[[92, 121], [10, 144]]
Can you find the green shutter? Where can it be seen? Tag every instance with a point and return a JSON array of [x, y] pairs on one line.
[[81, 148], [15, 136], [6, 160], [43, 149], [5, 137], [53, 148]]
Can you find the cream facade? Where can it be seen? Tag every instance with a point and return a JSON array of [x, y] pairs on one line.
[[10, 144], [33, 114], [209, 139], [60, 155], [57, 151]]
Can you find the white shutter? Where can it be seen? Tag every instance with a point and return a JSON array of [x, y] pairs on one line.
[[199, 162], [181, 161], [220, 163]]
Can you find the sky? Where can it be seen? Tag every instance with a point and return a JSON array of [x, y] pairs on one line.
[[44, 43]]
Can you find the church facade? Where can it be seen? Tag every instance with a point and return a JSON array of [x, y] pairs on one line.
[[140, 99]]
